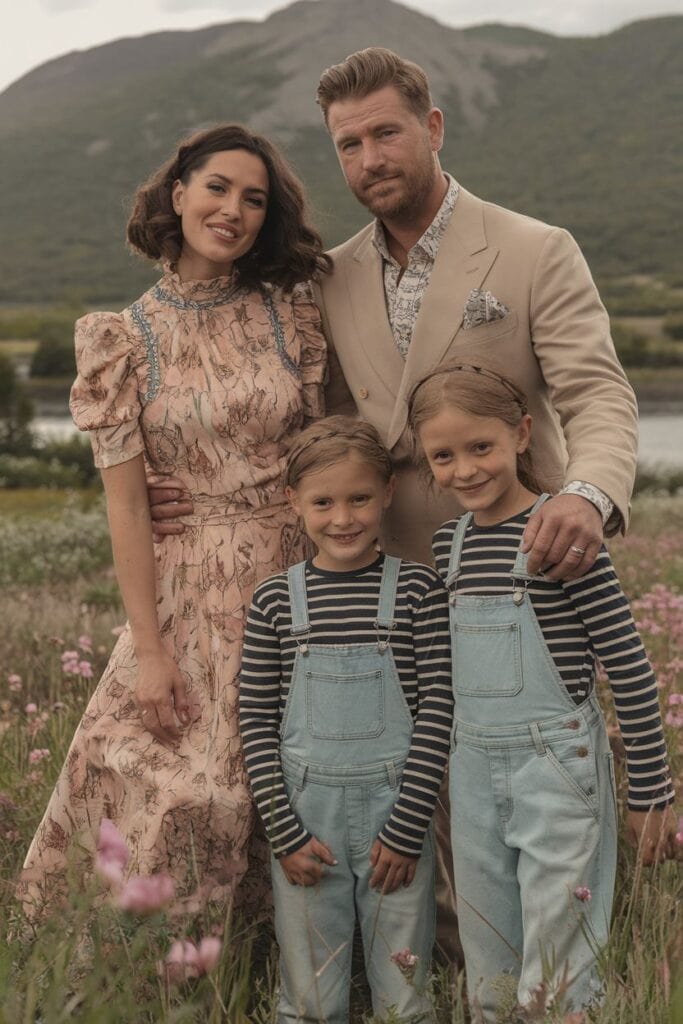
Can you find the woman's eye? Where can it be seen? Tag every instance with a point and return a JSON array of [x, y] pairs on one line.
[[441, 456], [215, 187], [256, 202], [360, 499], [482, 447]]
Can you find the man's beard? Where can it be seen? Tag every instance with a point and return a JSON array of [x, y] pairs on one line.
[[408, 204]]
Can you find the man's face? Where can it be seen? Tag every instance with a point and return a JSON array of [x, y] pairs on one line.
[[387, 153]]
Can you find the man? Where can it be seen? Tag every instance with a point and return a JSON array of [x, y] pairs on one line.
[[440, 274]]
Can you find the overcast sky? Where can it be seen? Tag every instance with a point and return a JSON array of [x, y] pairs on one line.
[[34, 31]]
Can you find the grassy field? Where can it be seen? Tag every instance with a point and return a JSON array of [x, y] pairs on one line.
[[97, 964]]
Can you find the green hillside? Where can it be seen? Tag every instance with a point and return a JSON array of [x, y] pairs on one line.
[[581, 132]]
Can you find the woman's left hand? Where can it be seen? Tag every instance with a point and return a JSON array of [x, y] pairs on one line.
[[653, 834], [391, 869]]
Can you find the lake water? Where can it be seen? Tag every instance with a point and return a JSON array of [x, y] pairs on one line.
[[661, 436]]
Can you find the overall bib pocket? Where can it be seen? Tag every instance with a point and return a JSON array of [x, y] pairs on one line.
[[345, 707], [487, 660]]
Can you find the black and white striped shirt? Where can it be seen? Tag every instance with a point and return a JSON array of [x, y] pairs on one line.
[[343, 609], [581, 620]]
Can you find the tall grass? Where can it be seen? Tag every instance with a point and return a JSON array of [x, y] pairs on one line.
[[96, 964]]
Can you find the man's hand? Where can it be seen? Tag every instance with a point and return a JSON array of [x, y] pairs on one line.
[[305, 865], [168, 499], [653, 834], [391, 869], [565, 533]]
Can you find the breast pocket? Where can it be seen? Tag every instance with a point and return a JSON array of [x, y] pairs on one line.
[[487, 660], [345, 707]]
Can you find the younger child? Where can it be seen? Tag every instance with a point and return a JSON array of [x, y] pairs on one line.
[[345, 715], [531, 778]]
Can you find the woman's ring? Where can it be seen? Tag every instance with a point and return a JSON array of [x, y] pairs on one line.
[[577, 551]]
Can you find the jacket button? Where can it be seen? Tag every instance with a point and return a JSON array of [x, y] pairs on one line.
[[582, 751], [363, 393]]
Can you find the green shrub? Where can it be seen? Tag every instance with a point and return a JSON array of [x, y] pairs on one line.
[[673, 325]]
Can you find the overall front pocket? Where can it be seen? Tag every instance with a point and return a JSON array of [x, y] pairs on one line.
[[487, 660], [344, 707]]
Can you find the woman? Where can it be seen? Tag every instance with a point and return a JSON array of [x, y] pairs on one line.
[[207, 375]]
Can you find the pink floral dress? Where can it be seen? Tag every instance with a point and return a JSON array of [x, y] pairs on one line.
[[209, 382]]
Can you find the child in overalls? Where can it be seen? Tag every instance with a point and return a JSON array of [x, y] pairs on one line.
[[533, 826], [345, 715]]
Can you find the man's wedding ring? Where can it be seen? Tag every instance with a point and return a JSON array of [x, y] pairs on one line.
[[577, 551]]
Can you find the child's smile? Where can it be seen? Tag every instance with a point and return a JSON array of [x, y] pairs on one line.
[[476, 458], [342, 507]]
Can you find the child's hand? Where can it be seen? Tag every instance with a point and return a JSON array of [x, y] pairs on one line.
[[305, 865], [653, 833], [391, 869]]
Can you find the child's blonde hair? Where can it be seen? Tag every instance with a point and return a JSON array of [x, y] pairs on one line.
[[478, 390], [332, 440]]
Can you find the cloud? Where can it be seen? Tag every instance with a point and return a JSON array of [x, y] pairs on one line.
[[583, 17], [59, 6]]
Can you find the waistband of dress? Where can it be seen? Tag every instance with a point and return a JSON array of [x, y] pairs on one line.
[[217, 510], [298, 772], [529, 733]]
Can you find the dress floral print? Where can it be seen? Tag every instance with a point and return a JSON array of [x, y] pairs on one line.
[[209, 382]]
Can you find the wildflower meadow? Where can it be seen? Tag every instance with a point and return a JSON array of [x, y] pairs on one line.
[[118, 951]]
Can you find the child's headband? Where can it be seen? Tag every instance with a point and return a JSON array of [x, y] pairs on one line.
[[482, 371]]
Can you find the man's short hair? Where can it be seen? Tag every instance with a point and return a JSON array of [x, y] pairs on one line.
[[371, 69]]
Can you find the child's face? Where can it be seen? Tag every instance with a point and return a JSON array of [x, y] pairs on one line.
[[342, 507], [475, 457]]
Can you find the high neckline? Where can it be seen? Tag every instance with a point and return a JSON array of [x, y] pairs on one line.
[[195, 294]]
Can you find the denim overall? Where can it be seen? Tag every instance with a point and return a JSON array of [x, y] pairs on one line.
[[345, 735], [532, 803]]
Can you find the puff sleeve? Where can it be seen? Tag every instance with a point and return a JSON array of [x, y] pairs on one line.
[[313, 358], [105, 397]]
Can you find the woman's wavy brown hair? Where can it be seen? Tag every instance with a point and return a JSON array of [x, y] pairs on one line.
[[288, 249]]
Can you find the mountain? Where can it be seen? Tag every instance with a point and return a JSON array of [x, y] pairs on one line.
[[584, 132]]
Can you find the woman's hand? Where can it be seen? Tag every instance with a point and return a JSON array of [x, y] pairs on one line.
[[305, 865], [391, 869], [653, 834], [161, 695]]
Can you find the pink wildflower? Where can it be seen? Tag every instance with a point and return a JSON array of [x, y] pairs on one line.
[[38, 755], [14, 683], [85, 669], [674, 719], [406, 961], [184, 960], [582, 893], [675, 698], [31, 708], [112, 853], [85, 643], [145, 894], [679, 834]]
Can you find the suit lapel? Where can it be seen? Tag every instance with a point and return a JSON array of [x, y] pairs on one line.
[[365, 284], [463, 261]]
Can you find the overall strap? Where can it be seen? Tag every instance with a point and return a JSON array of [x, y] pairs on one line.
[[519, 569], [456, 549], [296, 581], [387, 592]]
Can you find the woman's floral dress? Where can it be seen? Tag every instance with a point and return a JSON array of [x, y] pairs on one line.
[[210, 382]]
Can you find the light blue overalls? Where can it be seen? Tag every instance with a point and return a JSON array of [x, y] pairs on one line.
[[533, 810], [345, 735]]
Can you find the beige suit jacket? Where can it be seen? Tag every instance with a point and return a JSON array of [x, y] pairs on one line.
[[554, 342]]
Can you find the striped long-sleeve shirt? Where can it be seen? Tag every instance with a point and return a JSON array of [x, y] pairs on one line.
[[343, 609], [581, 620]]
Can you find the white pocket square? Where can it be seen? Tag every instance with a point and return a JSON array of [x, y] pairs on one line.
[[482, 308]]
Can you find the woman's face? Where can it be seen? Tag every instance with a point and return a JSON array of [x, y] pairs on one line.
[[222, 208]]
